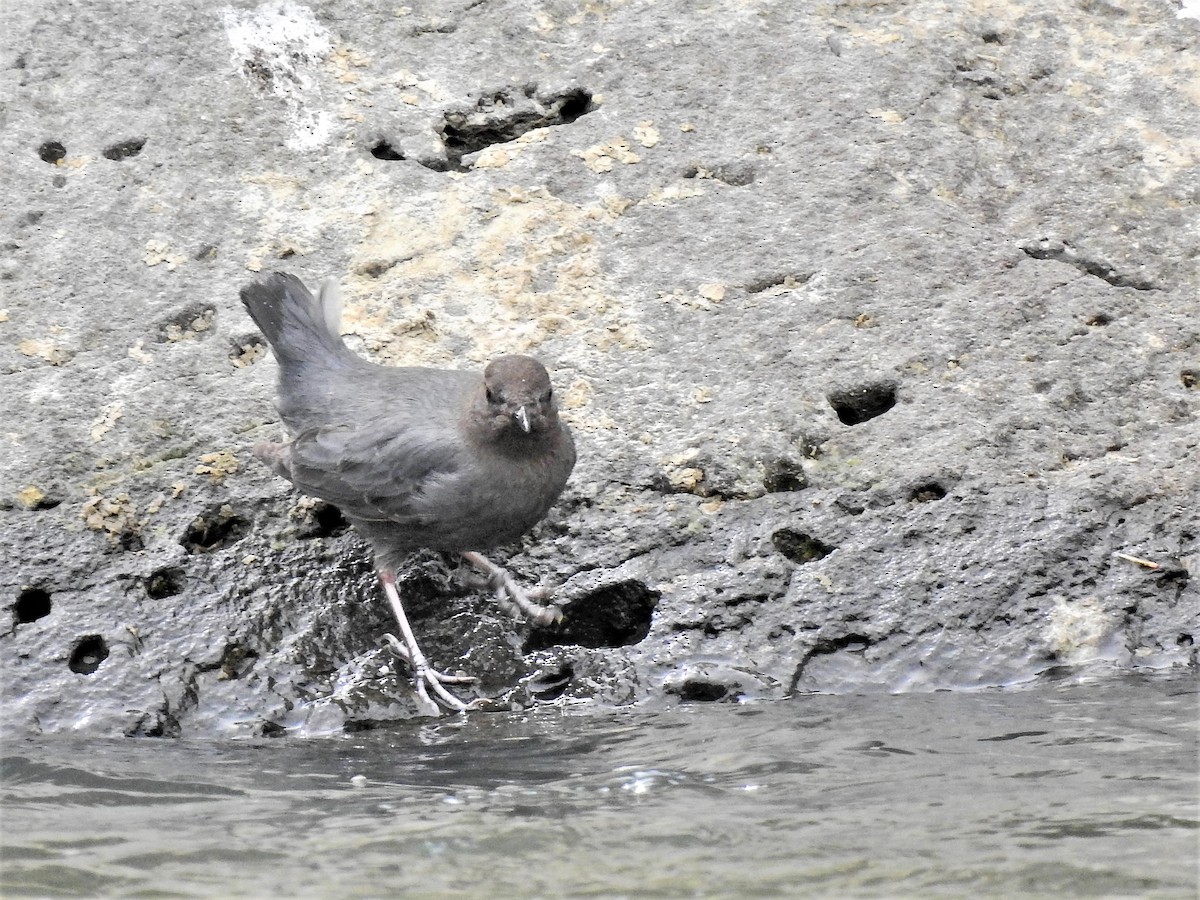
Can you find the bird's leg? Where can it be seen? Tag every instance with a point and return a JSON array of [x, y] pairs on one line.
[[425, 677], [509, 594]]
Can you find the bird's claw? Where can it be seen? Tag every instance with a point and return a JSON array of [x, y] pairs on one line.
[[517, 603], [426, 679], [511, 597]]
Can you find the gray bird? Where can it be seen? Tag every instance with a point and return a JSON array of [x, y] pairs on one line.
[[413, 457]]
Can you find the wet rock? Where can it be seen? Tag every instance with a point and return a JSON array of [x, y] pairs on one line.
[[884, 380]]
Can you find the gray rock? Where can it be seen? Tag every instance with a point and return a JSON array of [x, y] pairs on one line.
[[877, 328]]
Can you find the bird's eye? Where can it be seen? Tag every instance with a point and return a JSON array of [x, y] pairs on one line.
[[548, 396], [491, 397]]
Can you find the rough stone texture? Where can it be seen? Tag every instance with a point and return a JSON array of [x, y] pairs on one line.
[[877, 324]]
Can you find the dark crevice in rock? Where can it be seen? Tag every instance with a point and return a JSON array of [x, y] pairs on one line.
[[213, 530], [236, 660], [783, 476], [616, 615], [550, 685], [504, 116], [848, 643], [706, 476], [160, 725], [165, 582], [1189, 378], [324, 520], [1172, 571], [695, 690], [32, 604], [52, 152], [89, 652], [124, 149], [800, 547], [765, 283], [928, 492], [861, 404], [1061, 251], [130, 541], [386, 151]]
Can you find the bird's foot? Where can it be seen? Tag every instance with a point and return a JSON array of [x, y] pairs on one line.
[[511, 597], [426, 679]]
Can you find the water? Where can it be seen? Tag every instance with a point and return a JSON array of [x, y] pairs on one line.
[[1070, 791]]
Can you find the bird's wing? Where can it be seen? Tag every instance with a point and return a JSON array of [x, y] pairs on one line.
[[368, 476]]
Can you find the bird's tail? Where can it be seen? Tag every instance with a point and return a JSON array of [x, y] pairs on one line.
[[301, 329]]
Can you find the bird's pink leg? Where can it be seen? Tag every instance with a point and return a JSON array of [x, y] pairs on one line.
[[510, 594], [425, 677]]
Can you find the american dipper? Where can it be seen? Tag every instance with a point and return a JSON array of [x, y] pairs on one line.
[[413, 457]]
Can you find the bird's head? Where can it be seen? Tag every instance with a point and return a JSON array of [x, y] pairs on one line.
[[517, 397]]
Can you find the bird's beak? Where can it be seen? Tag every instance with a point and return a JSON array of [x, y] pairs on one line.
[[522, 417]]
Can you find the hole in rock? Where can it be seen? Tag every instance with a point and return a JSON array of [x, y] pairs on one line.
[[571, 105], [384, 150], [926, 493], [551, 684], [858, 405], [32, 604], [468, 132], [89, 652], [124, 149], [697, 690], [160, 724], [165, 582], [1189, 378], [325, 520], [848, 643], [783, 475], [52, 152], [800, 547], [214, 529], [616, 615], [130, 541]]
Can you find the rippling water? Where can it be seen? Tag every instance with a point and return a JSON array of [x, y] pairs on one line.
[[1082, 790]]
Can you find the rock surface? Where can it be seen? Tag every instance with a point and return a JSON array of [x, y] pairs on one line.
[[878, 328]]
